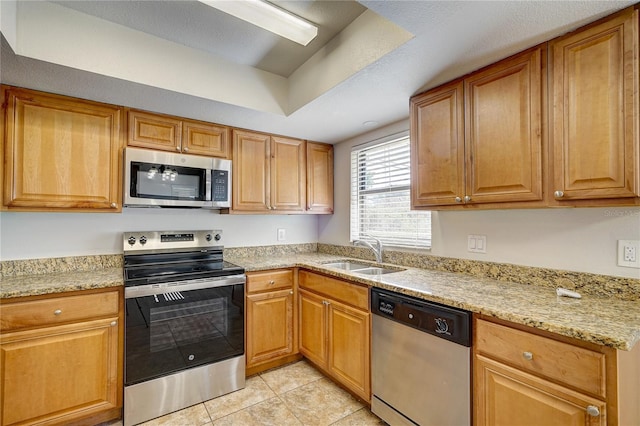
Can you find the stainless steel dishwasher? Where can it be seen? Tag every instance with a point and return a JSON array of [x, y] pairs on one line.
[[420, 361]]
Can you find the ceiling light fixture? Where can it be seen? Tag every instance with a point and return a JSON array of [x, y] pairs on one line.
[[267, 16]]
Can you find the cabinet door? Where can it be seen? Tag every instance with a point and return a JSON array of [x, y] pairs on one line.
[[269, 326], [251, 166], [437, 146], [61, 153], [288, 174], [154, 131], [350, 347], [313, 323], [205, 139], [59, 373], [507, 396], [594, 122], [319, 178], [503, 131]]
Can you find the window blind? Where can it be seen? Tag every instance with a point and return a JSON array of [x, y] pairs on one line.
[[380, 196]]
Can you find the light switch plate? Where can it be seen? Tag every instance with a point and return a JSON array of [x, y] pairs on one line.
[[282, 234], [629, 253], [477, 243]]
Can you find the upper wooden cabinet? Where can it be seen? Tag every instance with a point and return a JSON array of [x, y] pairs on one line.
[[167, 133], [319, 178], [479, 140], [594, 118], [269, 173], [61, 153]]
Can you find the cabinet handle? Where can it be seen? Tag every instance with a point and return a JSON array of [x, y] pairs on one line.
[[291, 292], [593, 411], [185, 149], [178, 148], [467, 198], [458, 200], [527, 355], [114, 205], [114, 323], [558, 194], [57, 312], [271, 282]]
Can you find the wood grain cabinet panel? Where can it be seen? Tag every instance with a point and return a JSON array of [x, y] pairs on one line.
[[335, 335], [68, 373], [288, 174], [319, 178], [594, 123], [208, 139], [478, 140], [270, 322], [61, 153]]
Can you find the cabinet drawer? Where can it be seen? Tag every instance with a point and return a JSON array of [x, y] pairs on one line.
[[269, 280], [574, 366], [342, 291], [58, 310]]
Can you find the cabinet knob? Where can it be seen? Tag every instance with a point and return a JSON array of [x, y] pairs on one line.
[[114, 205], [114, 323], [558, 194], [458, 200], [271, 282], [291, 292], [467, 198], [185, 149], [178, 148], [593, 411], [57, 312], [527, 355]]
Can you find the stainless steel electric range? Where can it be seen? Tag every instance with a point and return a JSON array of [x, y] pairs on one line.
[[184, 324]]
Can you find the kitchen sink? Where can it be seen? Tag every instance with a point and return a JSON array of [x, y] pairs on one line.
[[362, 268]]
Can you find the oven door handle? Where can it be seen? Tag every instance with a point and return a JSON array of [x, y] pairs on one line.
[[151, 289]]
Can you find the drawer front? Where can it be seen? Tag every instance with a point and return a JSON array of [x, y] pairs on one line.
[[574, 366], [342, 291], [58, 310], [269, 280]]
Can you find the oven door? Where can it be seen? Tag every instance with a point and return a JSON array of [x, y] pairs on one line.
[[175, 330]]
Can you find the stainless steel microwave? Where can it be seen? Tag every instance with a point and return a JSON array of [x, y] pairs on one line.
[[167, 179]]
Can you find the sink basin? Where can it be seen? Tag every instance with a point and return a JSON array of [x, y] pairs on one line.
[[347, 265], [375, 271], [361, 268]]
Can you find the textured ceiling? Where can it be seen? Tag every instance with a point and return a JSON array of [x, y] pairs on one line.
[[450, 39]]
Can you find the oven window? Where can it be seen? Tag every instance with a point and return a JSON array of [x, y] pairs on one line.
[[167, 182], [170, 332]]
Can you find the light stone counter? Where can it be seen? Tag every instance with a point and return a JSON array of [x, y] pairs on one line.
[[608, 321]]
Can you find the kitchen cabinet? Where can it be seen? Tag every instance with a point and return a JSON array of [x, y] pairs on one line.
[[528, 377], [62, 358], [175, 134], [335, 325], [271, 329], [595, 144], [319, 178], [478, 140], [269, 173], [61, 153]]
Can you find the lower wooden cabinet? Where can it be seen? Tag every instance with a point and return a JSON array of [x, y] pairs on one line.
[[335, 325], [270, 321], [526, 377], [66, 367]]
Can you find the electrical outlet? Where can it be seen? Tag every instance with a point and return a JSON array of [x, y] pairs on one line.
[[282, 234], [629, 253], [477, 243]]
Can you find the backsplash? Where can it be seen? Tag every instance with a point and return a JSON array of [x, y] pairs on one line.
[[599, 285]]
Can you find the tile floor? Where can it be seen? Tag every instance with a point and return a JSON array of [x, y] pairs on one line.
[[296, 394]]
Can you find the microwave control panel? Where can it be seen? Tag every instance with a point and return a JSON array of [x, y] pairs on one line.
[[220, 185]]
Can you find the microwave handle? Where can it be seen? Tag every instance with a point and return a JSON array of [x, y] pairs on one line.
[[207, 187]]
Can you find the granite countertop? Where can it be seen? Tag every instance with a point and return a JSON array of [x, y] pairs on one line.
[[601, 320]]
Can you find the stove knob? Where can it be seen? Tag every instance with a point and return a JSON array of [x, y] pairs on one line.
[[131, 240], [217, 237], [143, 240], [208, 237]]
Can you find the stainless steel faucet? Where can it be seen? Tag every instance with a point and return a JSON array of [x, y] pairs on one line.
[[377, 251]]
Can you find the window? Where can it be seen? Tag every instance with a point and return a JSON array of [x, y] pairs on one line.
[[380, 195]]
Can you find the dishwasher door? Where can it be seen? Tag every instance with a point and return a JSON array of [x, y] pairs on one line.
[[419, 377]]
